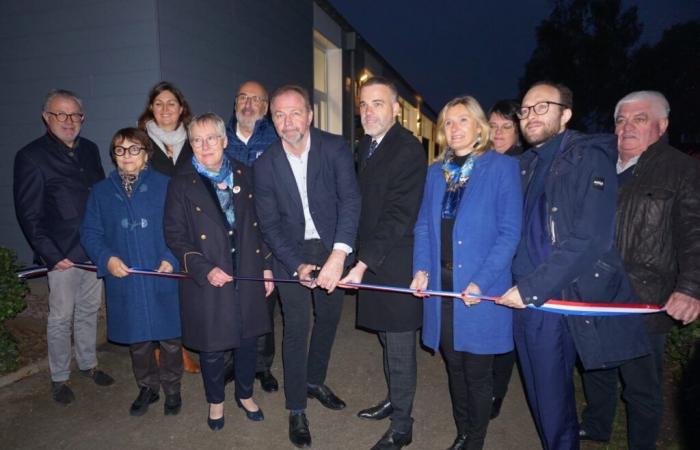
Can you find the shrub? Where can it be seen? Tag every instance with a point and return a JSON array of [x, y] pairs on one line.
[[12, 292]]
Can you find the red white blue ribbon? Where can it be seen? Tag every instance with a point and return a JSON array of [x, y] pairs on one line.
[[566, 307]]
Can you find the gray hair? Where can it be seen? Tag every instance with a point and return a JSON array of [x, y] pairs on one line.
[[53, 93], [658, 102], [209, 118]]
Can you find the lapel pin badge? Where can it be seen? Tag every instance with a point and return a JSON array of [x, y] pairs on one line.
[[236, 189]]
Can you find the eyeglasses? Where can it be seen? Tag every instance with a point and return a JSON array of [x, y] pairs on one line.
[[62, 117], [211, 140], [242, 98], [133, 150], [539, 108]]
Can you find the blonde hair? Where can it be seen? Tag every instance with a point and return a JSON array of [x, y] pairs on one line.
[[476, 113]]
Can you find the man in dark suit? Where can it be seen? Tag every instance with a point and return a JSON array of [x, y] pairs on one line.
[[53, 176], [308, 203], [392, 168]]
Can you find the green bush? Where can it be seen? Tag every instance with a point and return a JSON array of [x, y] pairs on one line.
[[12, 292], [680, 345]]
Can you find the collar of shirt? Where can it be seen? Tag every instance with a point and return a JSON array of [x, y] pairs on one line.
[[304, 157], [240, 135], [622, 166]]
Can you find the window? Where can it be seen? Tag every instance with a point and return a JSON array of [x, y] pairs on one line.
[[328, 92]]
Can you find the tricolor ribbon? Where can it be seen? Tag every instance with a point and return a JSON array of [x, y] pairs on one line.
[[566, 307]]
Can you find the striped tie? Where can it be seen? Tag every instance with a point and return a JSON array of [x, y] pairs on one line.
[[372, 148]]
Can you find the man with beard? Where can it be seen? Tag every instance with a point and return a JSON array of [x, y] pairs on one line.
[[566, 251], [308, 203], [249, 134]]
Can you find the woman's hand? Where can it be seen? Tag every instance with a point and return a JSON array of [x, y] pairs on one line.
[[117, 268], [420, 283], [471, 289], [355, 274], [165, 267], [512, 299], [218, 277], [269, 285]]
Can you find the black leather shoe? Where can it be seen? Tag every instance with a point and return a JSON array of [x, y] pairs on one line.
[[460, 442], [323, 394], [215, 424], [268, 382], [61, 393], [145, 398], [299, 434], [377, 412], [255, 416], [172, 404], [496, 407], [99, 377], [583, 435], [393, 440]]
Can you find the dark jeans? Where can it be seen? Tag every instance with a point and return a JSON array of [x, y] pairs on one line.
[[266, 342], [502, 370], [307, 362], [214, 366], [400, 373], [471, 383], [149, 374], [641, 391]]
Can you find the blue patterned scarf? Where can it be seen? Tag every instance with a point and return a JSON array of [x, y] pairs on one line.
[[223, 176], [456, 178]]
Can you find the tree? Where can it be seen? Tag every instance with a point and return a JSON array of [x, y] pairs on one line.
[[587, 45]]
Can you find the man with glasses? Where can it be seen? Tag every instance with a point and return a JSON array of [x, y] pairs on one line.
[[566, 252], [249, 134], [53, 176]]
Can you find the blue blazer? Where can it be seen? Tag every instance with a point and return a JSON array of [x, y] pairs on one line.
[[334, 199], [485, 235]]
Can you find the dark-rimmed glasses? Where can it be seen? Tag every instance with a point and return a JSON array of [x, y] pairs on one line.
[[134, 150], [242, 98], [62, 117], [539, 108]]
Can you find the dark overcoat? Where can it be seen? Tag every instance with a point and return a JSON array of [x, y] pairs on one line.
[[196, 230], [391, 183], [161, 163]]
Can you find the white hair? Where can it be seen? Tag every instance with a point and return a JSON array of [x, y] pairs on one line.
[[658, 102], [208, 118]]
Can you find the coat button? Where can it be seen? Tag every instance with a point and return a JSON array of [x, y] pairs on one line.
[[250, 195], [257, 250], [534, 297], [203, 237], [597, 275], [523, 172], [230, 232], [198, 209], [459, 266], [194, 181], [459, 242], [555, 209], [588, 322], [255, 224]]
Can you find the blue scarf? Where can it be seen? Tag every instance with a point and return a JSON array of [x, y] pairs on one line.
[[223, 176], [456, 178]]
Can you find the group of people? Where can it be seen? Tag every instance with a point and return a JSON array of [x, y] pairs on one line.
[[589, 218]]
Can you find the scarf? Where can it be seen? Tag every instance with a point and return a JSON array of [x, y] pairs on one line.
[[175, 139], [456, 178], [225, 195], [128, 181]]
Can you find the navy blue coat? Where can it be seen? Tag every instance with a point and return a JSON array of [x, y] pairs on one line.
[[263, 135], [139, 308], [484, 238], [334, 199], [51, 186], [584, 265]]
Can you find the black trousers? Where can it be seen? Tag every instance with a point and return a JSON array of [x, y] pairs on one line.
[[471, 383], [266, 342], [400, 373], [149, 374], [214, 366], [502, 370], [641, 391], [307, 362]]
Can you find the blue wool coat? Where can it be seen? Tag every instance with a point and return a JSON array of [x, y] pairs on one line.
[[485, 236], [139, 308]]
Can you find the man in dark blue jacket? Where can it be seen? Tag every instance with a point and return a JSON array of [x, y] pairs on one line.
[[249, 134], [566, 252], [53, 176]]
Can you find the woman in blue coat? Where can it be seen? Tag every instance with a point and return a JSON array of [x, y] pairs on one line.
[[122, 229], [465, 237]]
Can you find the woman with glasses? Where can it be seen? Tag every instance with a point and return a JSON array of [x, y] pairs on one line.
[[504, 123], [211, 227], [123, 229], [466, 234]]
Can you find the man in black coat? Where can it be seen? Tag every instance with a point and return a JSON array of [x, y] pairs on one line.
[[308, 203], [53, 176], [392, 169]]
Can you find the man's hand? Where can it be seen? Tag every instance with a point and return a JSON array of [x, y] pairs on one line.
[[165, 267], [683, 307], [304, 274], [331, 271], [218, 277], [512, 299], [63, 264], [420, 283], [356, 273], [269, 285], [117, 268], [471, 289]]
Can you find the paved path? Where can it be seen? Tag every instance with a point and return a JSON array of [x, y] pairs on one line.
[[99, 419]]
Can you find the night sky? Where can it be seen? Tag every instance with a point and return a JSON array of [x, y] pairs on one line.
[[445, 48]]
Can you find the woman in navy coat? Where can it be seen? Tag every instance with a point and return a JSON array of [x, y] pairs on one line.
[[122, 229], [465, 237]]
